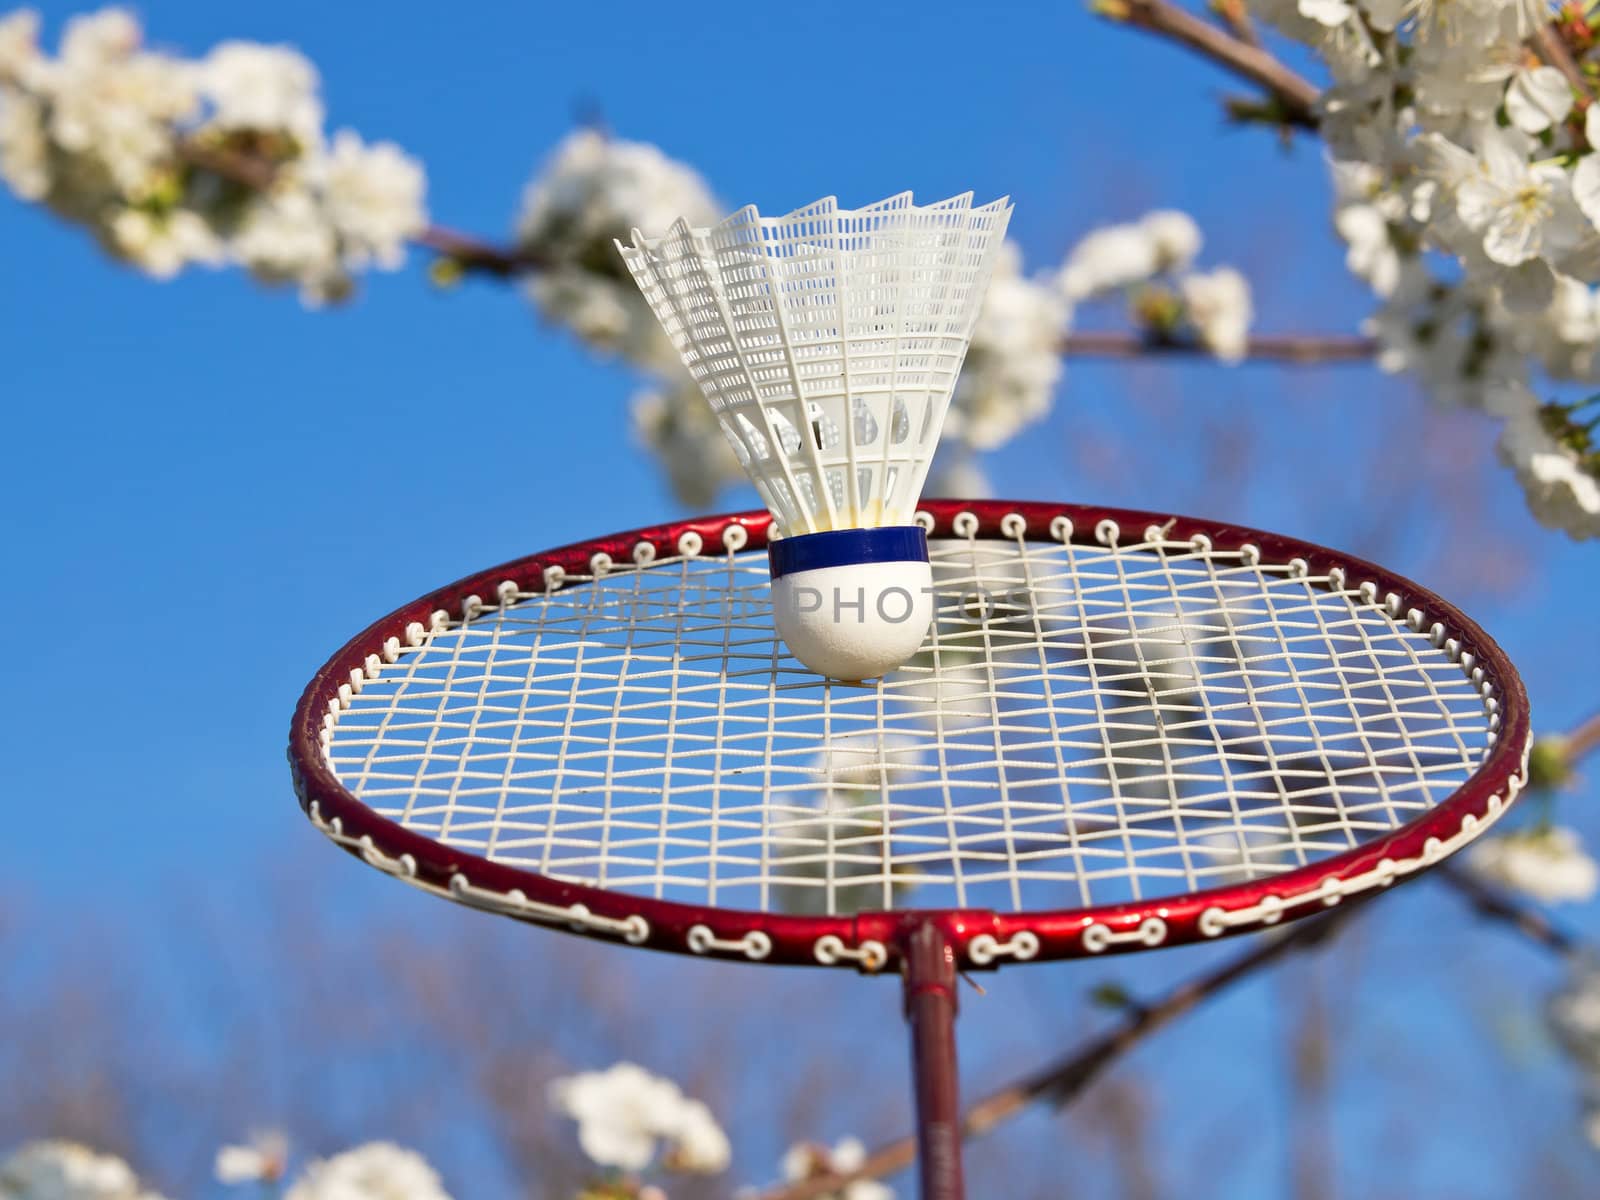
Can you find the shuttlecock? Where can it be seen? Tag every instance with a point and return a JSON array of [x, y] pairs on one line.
[[828, 342]]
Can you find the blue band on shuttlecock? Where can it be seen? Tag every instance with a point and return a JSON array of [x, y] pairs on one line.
[[846, 548]]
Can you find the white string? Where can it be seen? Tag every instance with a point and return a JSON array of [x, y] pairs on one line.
[[1112, 722]]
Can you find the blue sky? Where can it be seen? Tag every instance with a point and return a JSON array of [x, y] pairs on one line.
[[209, 488]]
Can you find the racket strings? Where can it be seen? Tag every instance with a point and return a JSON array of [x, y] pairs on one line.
[[1087, 724]]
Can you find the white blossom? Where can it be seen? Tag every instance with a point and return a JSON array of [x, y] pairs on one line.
[[600, 312], [620, 1113], [1573, 318], [113, 104], [1560, 492], [1538, 98], [58, 1170], [1548, 864], [374, 1171], [699, 1144], [1586, 175], [1331, 13], [1472, 207], [829, 842], [1119, 256], [284, 238], [1469, 24], [1371, 254], [625, 1113], [20, 59], [593, 190], [1526, 289], [260, 1160], [863, 763], [164, 243], [1159, 248], [812, 1161], [1107, 259], [1240, 855], [1013, 363], [1573, 1013], [958, 696], [1217, 304], [24, 145], [828, 851], [676, 424], [263, 88], [956, 472], [1521, 209], [373, 199], [1174, 235], [1439, 334], [129, 143]]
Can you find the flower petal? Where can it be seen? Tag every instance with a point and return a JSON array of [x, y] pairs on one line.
[[1538, 98], [1586, 186]]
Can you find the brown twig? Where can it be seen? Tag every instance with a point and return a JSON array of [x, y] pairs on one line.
[[1062, 1081], [1488, 901], [472, 254], [1295, 96], [1293, 348], [1582, 740], [247, 170]]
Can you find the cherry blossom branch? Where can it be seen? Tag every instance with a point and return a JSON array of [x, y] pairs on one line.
[[1060, 1082], [471, 255], [1292, 348], [464, 253], [1295, 96]]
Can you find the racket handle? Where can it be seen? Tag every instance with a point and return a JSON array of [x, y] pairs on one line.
[[930, 1005]]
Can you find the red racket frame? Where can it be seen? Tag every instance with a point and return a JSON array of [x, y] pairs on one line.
[[929, 945]]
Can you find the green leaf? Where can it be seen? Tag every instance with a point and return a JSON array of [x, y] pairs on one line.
[[1111, 995]]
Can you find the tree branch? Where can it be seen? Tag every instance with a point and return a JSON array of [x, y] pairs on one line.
[[1582, 740], [1295, 96], [1061, 1082], [474, 255], [1488, 901], [1496, 905], [1291, 348]]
